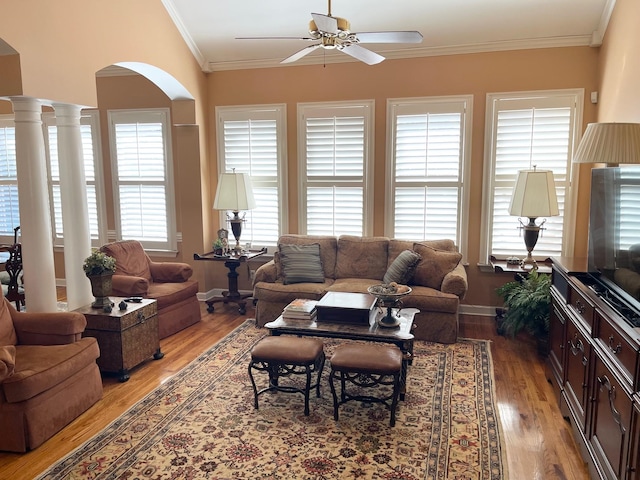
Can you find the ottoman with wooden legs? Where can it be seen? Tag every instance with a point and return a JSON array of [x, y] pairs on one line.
[[282, 356], [365, 366]]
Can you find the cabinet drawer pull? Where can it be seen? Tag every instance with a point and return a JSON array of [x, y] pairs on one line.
[[580, 307], [576, 347], [615, 350], [141, 318], [605, 383]]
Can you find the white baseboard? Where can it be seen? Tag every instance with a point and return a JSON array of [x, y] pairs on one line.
[[479, 310], [215, 292]]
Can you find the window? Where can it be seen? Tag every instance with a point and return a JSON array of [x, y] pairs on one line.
[[525, 130], [429, 152], [9, 209], [89, 131], [335, 162], [629, 200], [142, 177], [252, 140]]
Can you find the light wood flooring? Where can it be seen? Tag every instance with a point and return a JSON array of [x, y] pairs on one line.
[[538, 441]]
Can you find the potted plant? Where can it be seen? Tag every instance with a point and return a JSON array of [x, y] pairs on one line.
[[99, 268], [218, 247], [527, 301]]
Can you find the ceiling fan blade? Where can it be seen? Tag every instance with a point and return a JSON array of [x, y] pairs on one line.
[[325, 23], [275, 38], [389, 37], [298, 55], [362, 54]]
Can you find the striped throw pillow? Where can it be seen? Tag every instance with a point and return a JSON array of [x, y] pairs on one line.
[[301, 263], [402, 268]]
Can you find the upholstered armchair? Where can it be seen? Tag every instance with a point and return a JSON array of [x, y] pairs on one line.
[[48, 375], [166, 282]]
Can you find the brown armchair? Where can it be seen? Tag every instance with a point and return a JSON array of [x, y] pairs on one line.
[[166, 282], [48, 375]]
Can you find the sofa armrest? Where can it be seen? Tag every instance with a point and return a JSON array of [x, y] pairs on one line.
[[128, 286], [55, 328], [174, 272], [455, 282], [266, 273]]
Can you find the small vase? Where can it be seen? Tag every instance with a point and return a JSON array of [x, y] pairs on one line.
[[101, 289]]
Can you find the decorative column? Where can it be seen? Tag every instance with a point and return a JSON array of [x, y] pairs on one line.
[[35, 214], [75, 210]]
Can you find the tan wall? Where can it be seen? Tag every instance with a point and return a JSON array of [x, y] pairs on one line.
[[476, 74], [62, 45], [619, 70]]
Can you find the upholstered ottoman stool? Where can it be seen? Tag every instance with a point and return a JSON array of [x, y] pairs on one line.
[[365, 366], [281, 356]]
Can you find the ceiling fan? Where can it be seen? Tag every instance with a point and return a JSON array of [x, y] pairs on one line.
[[333, 33]]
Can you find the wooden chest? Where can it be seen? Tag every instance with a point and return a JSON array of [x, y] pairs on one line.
[[126, 337]]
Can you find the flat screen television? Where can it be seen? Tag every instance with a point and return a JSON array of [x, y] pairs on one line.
[[614, 232]]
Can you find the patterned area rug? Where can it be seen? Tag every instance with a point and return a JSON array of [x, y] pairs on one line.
[[202, 424]]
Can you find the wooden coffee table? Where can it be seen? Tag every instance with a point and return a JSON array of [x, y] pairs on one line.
[[400, 336]]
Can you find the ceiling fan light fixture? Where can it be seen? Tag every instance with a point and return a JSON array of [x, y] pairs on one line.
[[343, 26]]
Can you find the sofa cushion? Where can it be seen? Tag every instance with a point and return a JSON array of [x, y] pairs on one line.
[[7, 332], [167, 294], [434, 265], [131, 259], [402, 268], [279, 292], [301, 263], [7, 361], [328, 247], [362, 257], [41, 367]]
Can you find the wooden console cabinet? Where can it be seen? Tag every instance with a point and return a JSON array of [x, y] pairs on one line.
[[126, 337], [594, 367]]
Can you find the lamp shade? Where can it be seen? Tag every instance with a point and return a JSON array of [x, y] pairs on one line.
[[534, 195], [234, 192], [609, 143]]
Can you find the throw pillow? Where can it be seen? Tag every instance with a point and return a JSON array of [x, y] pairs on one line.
[[434, 265], [7, 361], [301, 263], [402, 268]]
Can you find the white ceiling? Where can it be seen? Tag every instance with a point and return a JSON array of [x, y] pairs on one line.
[[210, 27]]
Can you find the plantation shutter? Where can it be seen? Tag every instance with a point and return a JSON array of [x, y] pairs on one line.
[[9, 208], [141, 176], [629, 201], [251, 147], [335, 166], [528, 133], [428, 159]]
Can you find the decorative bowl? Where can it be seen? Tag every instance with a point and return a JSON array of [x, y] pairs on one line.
[[388, 296]]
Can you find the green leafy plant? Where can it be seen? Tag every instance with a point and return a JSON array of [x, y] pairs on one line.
[[218, 244], [98, 263], [528, 303]]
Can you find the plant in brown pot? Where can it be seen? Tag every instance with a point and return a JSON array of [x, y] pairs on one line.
[[99, 268], [528, 307]]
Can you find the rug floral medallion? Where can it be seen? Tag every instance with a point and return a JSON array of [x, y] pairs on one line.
[[201, 424]]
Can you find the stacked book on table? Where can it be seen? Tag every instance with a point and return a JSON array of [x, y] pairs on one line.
[[300, 309]]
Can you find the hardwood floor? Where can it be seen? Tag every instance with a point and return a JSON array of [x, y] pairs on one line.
[[539, 442]]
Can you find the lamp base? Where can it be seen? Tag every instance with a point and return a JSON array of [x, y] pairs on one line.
[[531, 233], [236, 228]]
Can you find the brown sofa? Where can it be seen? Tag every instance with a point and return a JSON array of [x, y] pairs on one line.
[[166, 282], [48, 375], [352, 264]]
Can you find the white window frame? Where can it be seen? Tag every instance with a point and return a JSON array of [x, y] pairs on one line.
[[462, 104], [153, 115], [248, 113], [364, 108], [7, 121], [534, 99], [92, 119]]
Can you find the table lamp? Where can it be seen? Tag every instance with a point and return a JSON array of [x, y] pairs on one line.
[[234, 193], [533, 196], [611, 143]]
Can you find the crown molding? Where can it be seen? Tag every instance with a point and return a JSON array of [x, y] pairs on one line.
[[337, 57], [598, 35], [177, 20]]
